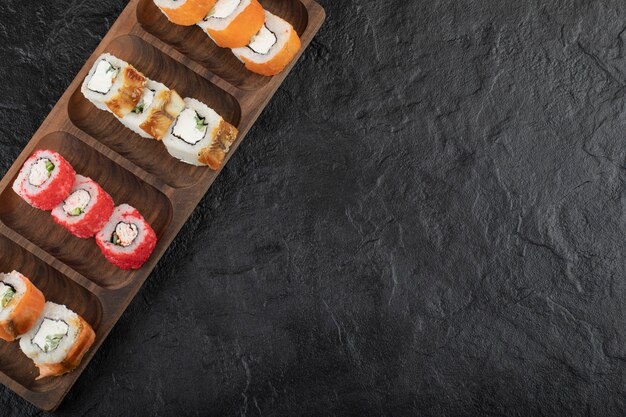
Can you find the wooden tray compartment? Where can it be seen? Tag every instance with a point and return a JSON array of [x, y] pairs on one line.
[[194, 43], [150, 154], [57, 288], [83, 255], [133, 170]]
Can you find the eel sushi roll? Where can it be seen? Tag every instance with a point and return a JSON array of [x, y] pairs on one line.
[[86, 210], [127, 240], [200, 136], [45, 180], [58, 341], [185, 12], [114, 85], [21, 304], [233, 23], [272, 48], [156, 111]]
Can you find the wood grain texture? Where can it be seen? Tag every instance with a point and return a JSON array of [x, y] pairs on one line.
[[133, 170]]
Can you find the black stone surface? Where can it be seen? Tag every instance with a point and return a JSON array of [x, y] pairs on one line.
[[427, 220]]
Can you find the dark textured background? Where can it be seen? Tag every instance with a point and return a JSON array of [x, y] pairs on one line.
[[427, 220]]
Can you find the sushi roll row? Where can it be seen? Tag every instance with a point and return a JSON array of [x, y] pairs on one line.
[[190, 130], [264, 42], [79, 204], [54, 337]]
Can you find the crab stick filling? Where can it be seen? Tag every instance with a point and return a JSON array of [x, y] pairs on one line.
[[40, 172], [77, 202], [125, 234]]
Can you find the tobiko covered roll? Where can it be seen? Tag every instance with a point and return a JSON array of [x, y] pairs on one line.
[[86, 210], [233, 23], [127, 240], [45, 180], [58, 341], [21, 304], [200, 136], [185, 12], [272, 48], [114, 85]]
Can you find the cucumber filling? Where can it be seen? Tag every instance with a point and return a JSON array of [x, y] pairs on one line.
[[40, 172], [146, 101], [263, 41], [6, 294], [103, 77], [77, 203], [190, 127], [124, 234], [50, 334]]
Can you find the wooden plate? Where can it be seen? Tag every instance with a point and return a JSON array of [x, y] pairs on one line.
[[133, 170]]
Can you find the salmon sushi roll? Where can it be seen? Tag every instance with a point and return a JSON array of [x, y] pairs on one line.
[[114, 85], [200, 136], [58, 341], [158, 108], [272, 48], [21, 304], [185, 12], [233, 23], [86, 210], [127, 240], [45, 180]]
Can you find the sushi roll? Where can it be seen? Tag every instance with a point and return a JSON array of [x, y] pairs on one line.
[[200, 136], [86, 210], [21, 304], [272, 48], [158, 108], [127, 240], [185, 12], [114, 85], [45, 180], [233, 23], [58, 341]]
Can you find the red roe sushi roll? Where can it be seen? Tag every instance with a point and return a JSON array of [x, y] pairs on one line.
[[45, 180], [127, 240], [86, 210]]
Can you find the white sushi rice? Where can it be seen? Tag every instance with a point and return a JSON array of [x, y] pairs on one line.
[[131, 232], [223, 14], [97, 80], [37, 172], [56, 331], [15, 282], [193, 139], [268, 42], [136, 117]]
